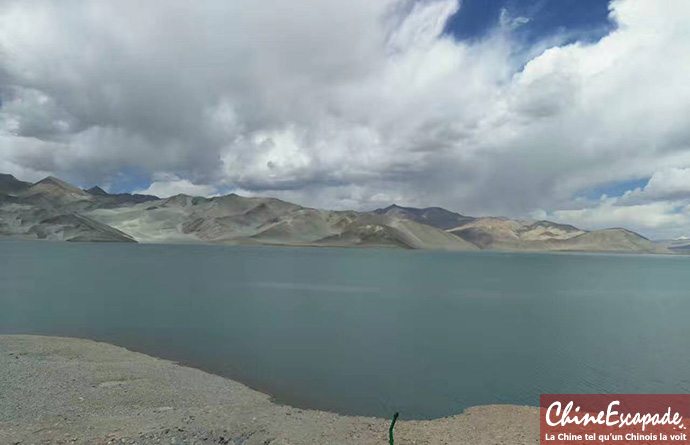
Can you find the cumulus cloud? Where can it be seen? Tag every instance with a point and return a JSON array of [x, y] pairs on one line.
[[349, 104], [609, 214], [165, 185], [669, 184], [661, 208]]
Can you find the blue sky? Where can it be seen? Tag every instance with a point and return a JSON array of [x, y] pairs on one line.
[[578, 19], [612, 189]]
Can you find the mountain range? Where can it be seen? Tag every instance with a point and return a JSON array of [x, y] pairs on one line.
[[52, 209]]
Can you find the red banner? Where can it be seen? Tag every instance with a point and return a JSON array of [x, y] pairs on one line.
[[614, 419]]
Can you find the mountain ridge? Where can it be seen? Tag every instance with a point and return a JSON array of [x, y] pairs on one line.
[[436, 216], [54, 209], [11, 185], [679, 245], [121, 198]]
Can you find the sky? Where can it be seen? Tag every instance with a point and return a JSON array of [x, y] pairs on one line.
[[576, 111]]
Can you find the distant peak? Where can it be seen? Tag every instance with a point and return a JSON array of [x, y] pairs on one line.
[[622, 230], [229, 195], [51, 180], [96, 190], [10, 184], [416, 210], [389, 208], [180, 200]]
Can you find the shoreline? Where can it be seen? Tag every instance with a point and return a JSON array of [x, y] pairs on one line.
[[67, 390], [575, 252]]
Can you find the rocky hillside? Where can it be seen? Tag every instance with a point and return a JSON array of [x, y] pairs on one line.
[[434, 216], [233, 219], [505, 234], [11, 185], [52, 209], [516, 235], [680, 245], [611, 240], [510, 234]]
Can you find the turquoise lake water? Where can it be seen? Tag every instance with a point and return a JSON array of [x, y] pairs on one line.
[[369, 332]]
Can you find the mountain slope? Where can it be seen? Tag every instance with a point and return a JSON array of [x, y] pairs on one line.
[[509, 234], [75, 228], [681, 245], [504, 234], [96, 191], [54, 192], [611, 240], [55, 210], [392, 231], [9, 185], [113, 200], [512, 235], [420, 236], [434, 216], [233, 219]]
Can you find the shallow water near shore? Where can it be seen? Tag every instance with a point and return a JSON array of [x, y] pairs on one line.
[[369, 332]]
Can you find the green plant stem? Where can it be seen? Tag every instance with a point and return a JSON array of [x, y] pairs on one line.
[[390, 430]]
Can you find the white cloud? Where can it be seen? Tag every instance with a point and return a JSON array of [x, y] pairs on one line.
[[668, 184], [641, 216], [166, 185], [660, 209], [510, 23], [349, 103]]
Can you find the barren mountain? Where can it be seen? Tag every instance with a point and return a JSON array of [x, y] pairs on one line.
[[377, 230], [680, 245], [114, 200], [511, 235], [52, 209], [233, 219], [611, 240], [74, 227], [9, 185], [19, 219], [434, 216], [504, 234], [53, 192]]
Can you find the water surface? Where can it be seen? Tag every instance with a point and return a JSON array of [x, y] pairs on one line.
[[369, 332]]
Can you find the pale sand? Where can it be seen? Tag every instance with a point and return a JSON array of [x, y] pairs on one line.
[[65, 391]]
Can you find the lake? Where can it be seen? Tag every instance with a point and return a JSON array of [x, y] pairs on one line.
[[369, 332]]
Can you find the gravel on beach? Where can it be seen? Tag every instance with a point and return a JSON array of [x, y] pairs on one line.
[[73, 391]]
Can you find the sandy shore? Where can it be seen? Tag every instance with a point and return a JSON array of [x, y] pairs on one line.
[[66, 391]]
